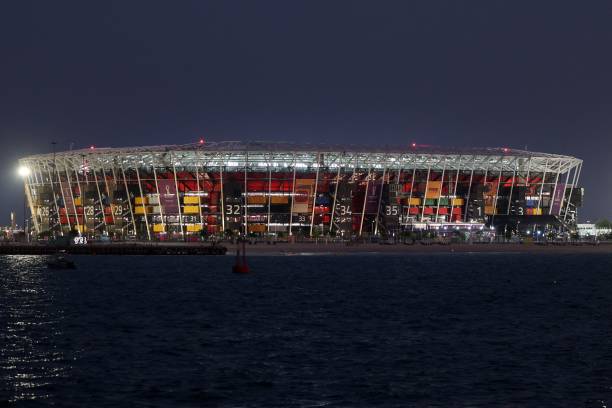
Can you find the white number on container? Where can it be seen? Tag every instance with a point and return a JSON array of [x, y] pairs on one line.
[[391, 210], [232, 209], [345, 210]]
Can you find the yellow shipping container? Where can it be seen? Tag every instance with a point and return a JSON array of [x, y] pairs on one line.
[[194, 227], [537, 211], [457, 202], [77, 201], [257, 199], [414, 201], [140, 210], [158, 228], [81, 228], [191, 209], [279, 199], [140, 200], [191, 200]]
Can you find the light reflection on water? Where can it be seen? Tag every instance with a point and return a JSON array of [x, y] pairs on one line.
[[29, 328]]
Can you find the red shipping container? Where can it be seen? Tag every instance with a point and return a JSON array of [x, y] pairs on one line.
[[258, 185], [108, 219], [413, 211], [320, 210], [428, 211], [457, 211], [443, 210], [64, 220]]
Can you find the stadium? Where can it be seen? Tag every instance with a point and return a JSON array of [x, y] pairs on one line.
[[187, 192]]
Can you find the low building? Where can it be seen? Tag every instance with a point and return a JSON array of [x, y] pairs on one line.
[[589, 230]]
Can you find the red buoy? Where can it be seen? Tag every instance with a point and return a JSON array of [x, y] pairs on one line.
[[241, 265]]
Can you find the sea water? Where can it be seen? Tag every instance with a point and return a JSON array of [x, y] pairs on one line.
[[436, 330]]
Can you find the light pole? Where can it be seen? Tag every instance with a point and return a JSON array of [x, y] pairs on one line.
[[24, 172]]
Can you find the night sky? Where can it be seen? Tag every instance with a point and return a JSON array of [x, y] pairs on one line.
[[535, 74]]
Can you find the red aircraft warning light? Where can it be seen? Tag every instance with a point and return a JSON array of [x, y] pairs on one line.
[[92, 147]]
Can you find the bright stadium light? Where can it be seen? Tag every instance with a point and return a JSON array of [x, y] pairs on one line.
[[23, 171]]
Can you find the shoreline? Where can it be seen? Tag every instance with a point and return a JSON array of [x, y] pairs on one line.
[[306, 249]]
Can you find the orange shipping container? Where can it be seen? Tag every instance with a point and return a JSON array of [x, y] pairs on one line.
[[257, 199], [283, 199]]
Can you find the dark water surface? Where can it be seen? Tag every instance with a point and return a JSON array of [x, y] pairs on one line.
[[473, 330]]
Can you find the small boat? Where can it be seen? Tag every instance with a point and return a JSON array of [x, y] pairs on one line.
[[60, 262]]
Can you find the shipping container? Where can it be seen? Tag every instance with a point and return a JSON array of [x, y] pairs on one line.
[[191, 209], [257, 199], [140, 210], [257, 228], [191, 200], [194, 227], [275, 199], [457, 201]]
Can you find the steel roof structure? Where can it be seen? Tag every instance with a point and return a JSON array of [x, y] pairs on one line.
[[279, 155]]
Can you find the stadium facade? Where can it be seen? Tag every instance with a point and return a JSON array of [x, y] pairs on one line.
[[214, 188]]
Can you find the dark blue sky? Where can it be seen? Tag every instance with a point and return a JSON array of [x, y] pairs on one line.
[[451, 73]]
